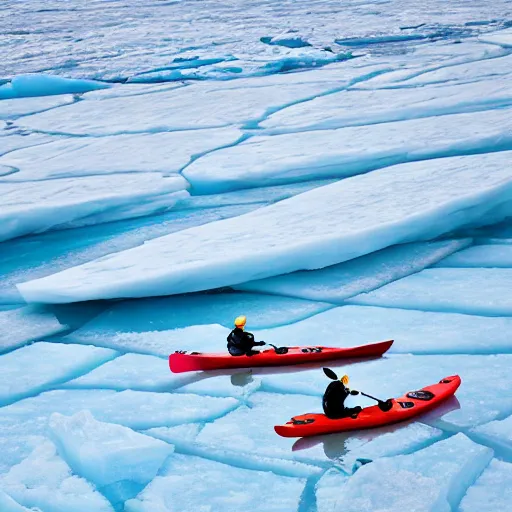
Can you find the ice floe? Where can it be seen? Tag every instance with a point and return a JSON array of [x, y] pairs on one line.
[[473, 291], [494, 256], [33, 207], [32, 369], [322, 227], [339, 282]]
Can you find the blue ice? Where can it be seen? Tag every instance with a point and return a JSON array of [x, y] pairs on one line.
[[45, 481], [23, 325], [339, 282], [438, 475], [46, 85], [472, 291], [222, 487], [304, 232], [417, 332], [7, 504], [492, 491], [490, 256]]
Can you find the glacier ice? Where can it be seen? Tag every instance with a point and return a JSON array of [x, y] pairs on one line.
[[16, 141], [134, 409], [501, 38], [7, 504], [473, 291], [438, 475], [492, 491], [45, 85], [18, 107], [33, 207], [32, 369], [45, 481], [132, 371], [36, 256], [494, 256], [193, 322], [497, 434], [105, 453], [220, 488], [264, 160], [385, 105], [151, 152], [417, 332], [22, 325], [339, 282], [327, 225], [483, 394], [178, 109]]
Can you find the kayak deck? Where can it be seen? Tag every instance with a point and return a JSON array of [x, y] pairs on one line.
[[195, 361], [405, 407]]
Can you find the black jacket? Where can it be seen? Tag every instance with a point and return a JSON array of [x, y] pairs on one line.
[[334, 399], [240, 342]]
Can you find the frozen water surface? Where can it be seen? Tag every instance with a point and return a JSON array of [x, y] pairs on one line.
[[269, 202], [401, 204]]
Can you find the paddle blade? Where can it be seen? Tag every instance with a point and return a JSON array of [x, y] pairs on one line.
[[330, 373]]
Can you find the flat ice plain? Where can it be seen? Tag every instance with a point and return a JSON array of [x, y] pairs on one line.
[[342, 177]]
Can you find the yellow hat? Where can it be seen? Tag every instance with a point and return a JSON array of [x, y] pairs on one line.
[[240, 321]]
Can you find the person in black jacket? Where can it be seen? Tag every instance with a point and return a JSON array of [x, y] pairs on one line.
[[240, 342], [334, 400]]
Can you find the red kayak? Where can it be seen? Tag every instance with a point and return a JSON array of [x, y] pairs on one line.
[[404, 408], [182, 362]]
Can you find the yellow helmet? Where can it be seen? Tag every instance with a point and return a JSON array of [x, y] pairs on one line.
[[344, 379], [240, 321]]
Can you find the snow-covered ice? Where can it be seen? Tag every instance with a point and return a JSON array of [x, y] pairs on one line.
[[7, 504], [436, 477], [417, 332], [324, 226], [106, 453], [501, 38], [494, 256], [40, 255], [45, 481], [473, 291], [264, 160], [497, 434], [18, 107], [339, 282], [22, 325], [177, 109], [385, 105], [33, 207], [492, 491], [220, 488], [16, 141], [167, 153], [32, 369]]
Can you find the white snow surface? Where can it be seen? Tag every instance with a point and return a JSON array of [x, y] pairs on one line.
[[404, 203], [106, 453], [21, 325], [166, 152], [265, 160], [18, 107], [33, 207]]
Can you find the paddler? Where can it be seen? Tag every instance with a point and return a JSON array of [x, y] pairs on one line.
[[241, 342], [334, 398]]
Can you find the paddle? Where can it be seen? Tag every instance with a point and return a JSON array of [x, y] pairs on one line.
[[384, 406], [278, 350]]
